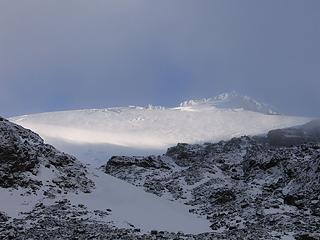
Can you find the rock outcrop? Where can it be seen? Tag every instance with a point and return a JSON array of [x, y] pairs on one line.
[[247, 187], [24, 157]]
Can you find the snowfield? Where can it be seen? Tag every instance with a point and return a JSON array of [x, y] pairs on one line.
[[94, 135], [133, 206]]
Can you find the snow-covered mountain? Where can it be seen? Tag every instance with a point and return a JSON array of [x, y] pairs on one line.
[[232, 100], [93, 135]]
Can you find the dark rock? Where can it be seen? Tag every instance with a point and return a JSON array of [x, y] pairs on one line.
[[22, 152], [305, 237], [307, 133], [3, 217], [154, 232], [223, 196]]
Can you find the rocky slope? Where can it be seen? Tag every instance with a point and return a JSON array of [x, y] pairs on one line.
[[45, 193], [249, 188], [306, 133], [24, 155]]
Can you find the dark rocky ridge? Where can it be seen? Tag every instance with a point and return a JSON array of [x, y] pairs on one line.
[[23, 152], [247, 187], [307, 133]]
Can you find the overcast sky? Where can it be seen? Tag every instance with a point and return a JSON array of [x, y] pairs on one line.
[[60, 55]]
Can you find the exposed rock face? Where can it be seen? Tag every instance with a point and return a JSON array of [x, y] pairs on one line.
[[247, 188], [149, 162], [24, 155]]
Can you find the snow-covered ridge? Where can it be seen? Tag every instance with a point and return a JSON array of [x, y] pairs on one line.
[[241, 185], [232, 100], [93, 135]]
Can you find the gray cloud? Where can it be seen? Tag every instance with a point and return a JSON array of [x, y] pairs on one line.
[[76, 54]]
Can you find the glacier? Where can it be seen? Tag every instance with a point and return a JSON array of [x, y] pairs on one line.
[[93, 135]]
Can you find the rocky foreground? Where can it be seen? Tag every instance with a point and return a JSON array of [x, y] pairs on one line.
[[249, 188], [65, 221]]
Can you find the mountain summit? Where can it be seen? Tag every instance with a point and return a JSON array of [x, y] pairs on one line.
[[232, 100]]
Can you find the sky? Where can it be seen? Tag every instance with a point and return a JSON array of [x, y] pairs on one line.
[[75, 54]]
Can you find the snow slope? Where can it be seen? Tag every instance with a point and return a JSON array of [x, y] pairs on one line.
[[130, 206], [93, 135]]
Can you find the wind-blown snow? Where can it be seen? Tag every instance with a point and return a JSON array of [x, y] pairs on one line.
[[95, 133]]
